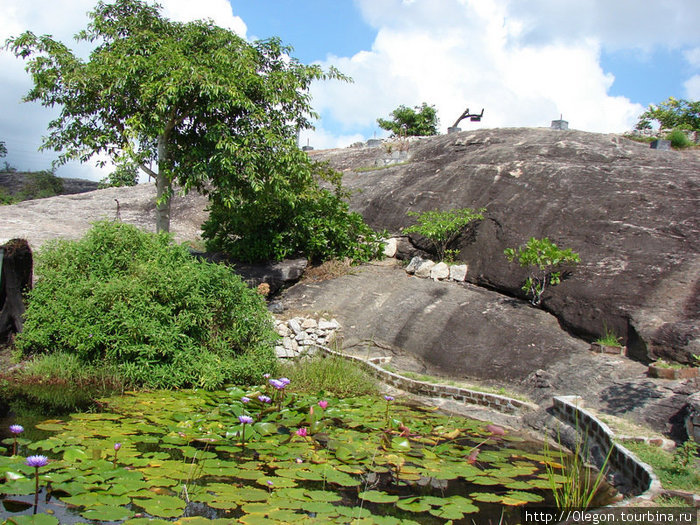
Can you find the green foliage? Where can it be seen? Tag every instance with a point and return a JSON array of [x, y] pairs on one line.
[[419, 121], [580, 485], [609, 339], [3, 149], [190, 103], [687, 454], [6, 197], [123, 175], [441, 228], [39, 185], [543, 258], [60, 382], [124, 298], [332, 374], [290, 215], [679, 139], [672, 474], [672, 113]]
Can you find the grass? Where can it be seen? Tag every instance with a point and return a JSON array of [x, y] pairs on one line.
[[377, 168], [331, 374], [609, 339], [671, 473], [328, 270], [60, 382], [660, 363]]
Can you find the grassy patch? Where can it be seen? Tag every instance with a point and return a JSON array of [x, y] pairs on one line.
[[378, 168], [671, 473], [609, 339], [331, 374], [328, 270]]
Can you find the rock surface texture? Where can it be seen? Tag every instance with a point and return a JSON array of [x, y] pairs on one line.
[[630, 212], [70, 216]]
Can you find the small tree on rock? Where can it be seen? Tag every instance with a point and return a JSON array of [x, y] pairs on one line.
[[544, 259], [419, 121], [441, 228]]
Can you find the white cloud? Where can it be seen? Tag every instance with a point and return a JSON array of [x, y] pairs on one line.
[[692, 88], [457, 54], [23, 124]]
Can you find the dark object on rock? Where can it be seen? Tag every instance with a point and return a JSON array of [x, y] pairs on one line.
[[275, 307], [276, 275], [629, 212], [15, 281], [660, 144]]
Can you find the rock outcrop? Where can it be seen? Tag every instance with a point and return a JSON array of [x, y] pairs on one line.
[[630, 212]]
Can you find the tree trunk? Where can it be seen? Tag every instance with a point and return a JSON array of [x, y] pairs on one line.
[[15, 281], [164, 188]]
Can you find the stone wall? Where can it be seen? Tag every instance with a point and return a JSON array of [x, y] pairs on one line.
[[600, 439]]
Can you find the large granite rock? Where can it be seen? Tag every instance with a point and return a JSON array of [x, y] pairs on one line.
[[70, 216], [630, 212]]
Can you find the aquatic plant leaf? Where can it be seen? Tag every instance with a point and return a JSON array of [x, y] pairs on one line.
[[376, 496], [320, 507], [323, 495], [73, 454], [447, 512], [486, 497], [414, 504], [37, 519], [256, 519], [266, 481], [107, 513], [19, 487], [285, 515], [162, 506], [152, 521], [528, 497]]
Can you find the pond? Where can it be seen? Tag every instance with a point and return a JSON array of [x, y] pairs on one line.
[[259, 456]]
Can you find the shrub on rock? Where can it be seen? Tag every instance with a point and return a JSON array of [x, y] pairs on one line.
[[135, 301]]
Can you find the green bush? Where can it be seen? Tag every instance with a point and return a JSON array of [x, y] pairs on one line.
[[41, 184], [441, 228], [307, 221], [135, 301], [679, 139]]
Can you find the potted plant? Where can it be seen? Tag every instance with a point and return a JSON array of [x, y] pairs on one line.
[[665, 370], [609, 344]]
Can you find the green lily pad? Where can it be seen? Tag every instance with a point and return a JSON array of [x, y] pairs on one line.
[[37, 519], [107, 513], [376, 496]]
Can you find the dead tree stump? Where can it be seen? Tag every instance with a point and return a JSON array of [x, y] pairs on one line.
[[15, 281]]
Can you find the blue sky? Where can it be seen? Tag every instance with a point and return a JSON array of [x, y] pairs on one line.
[[597, 62]]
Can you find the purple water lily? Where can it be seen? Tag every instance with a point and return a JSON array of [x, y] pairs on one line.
[[16, 429], [245, 399], [245, 419], [279, 385], [36, 461], [264, 399]]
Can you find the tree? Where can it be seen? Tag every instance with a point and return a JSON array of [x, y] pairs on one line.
[[3, 149], [441, 228], [419, 121], [543, 258], [672, 113], [123, 175], [191, 104]]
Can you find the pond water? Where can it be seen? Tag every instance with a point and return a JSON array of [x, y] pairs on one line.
[[186, 457]]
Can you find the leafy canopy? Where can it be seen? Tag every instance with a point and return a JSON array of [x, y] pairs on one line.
[[672, 113], [189, 103], [543, 258], [3, 149], [441, 228], [419, 121], [123, 298]]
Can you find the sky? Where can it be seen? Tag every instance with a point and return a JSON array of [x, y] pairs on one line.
[[597, 63]]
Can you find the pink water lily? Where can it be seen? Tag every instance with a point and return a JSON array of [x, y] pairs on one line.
[[302, 432], [323, 404]]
